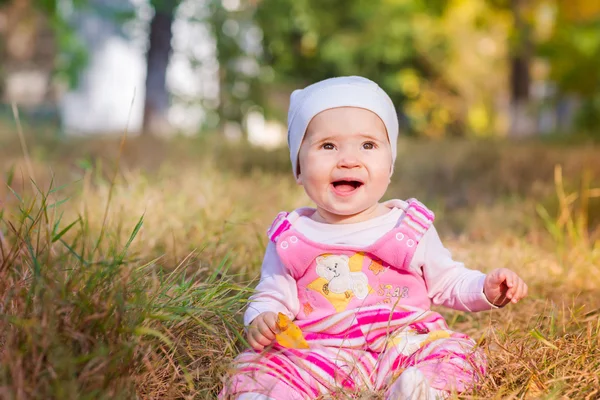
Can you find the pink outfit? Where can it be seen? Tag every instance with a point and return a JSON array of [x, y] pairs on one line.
[[365, 314]]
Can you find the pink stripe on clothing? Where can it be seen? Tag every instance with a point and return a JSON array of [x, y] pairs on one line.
[[285, 225], [417, 221], [422, 209], [323, 368]]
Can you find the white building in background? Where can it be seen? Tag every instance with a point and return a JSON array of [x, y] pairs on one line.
[[110, 95]]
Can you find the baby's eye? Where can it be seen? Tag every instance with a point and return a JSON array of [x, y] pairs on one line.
[[368, 145], [328, 146]]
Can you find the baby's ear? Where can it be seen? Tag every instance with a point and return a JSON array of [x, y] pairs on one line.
[[320, 259], [345, 257]]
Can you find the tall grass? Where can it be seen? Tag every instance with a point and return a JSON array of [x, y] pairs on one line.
[[129, 281], [570, 227], [85, 317], [85, 312]]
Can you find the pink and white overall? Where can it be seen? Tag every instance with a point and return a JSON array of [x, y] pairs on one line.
[[366, 317]]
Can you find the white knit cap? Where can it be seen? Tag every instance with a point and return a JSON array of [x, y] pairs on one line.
[[345, 91]]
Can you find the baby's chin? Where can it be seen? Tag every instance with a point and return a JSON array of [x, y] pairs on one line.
[[347, 215]]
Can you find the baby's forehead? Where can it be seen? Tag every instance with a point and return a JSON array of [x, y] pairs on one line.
[[342, 115], [346, 122]]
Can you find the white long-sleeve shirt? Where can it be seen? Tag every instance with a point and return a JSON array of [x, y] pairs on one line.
[[448, 282]]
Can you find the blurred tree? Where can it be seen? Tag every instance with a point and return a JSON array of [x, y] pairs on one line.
[[475, 61], [37, 41], [308, 40], [521, 51], [521, 54], [579, 10], [573, 52], [228, 51], [70, 56], [238, 47], [28, 49], [435, 58], [157, 101]]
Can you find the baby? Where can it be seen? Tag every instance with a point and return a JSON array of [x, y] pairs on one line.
[[357, 275]]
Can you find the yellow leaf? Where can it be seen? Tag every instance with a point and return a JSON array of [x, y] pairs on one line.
[[435, 335], [290, 335]]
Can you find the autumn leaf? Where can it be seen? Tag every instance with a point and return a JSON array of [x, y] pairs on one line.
[[290, 335]]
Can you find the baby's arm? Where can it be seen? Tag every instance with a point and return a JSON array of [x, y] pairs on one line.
[[276, 292], [449, 283]]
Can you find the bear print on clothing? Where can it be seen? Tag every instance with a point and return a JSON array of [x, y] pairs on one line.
[[335, 269]]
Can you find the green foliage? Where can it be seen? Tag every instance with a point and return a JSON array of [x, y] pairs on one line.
[[165, 5], [305, 41], [444, 63], [574, 54], [72, 55], [239, 88]]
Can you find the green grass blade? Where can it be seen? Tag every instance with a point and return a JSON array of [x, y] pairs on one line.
[[145, 331], [535, 333], [136, 230], [15, 193], [65, 230], [58, 203]]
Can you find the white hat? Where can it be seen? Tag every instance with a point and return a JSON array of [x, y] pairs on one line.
[[345, 91]]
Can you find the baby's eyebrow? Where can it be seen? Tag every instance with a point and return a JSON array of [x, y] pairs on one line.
[[371, 136], [337, 137], [330, 138]]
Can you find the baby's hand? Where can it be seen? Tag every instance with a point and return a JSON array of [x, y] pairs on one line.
[[501, 286], [262, 330]]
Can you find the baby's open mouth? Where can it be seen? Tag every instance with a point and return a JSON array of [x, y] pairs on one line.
[[347, 185]]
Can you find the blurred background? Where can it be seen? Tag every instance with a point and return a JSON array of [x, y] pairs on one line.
[[466, 68], [125, 265]]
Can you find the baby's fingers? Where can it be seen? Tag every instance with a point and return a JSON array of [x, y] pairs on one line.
[[252, 339], [523, 289], [270, 320], [254, 344], [509, 284], [265, 330], [503, 276], [511, 279], [519, 291], [257, 340]]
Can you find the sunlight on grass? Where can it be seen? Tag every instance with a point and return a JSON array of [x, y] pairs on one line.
[[147, 301]]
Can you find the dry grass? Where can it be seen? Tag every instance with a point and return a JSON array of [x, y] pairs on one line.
[[130, 282]]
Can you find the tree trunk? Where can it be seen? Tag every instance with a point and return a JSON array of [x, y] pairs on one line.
[[156, 105], [522, 122]]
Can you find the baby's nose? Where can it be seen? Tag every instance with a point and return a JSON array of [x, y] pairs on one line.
[[348, 159]]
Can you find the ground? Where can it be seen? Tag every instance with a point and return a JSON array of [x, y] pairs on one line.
[[125, 267]]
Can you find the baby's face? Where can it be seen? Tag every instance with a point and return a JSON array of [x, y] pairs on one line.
[[345, 163]]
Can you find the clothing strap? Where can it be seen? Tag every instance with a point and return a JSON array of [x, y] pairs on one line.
[[279, 225], [417, 217]]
